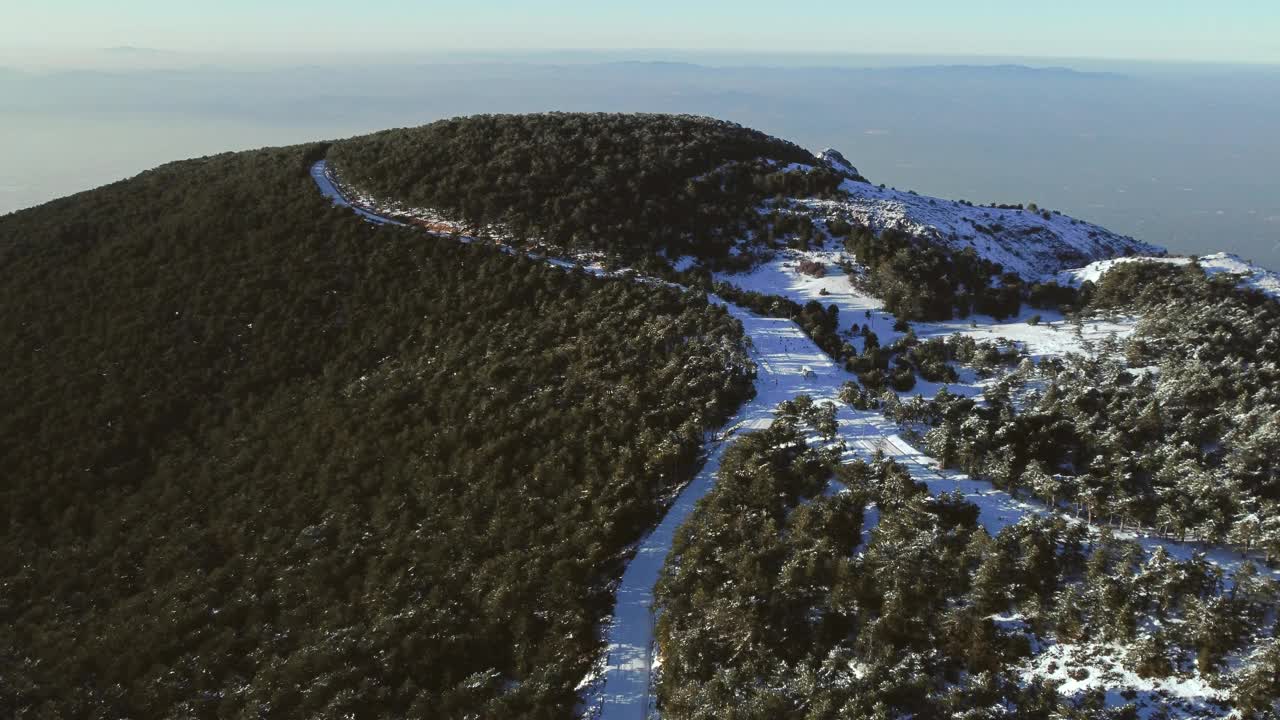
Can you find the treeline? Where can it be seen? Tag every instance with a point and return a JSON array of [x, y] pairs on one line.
[[777, 602], [626, 184], [262, 458], [1176, 429]]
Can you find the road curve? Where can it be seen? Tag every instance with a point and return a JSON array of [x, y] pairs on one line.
[[788, 364]]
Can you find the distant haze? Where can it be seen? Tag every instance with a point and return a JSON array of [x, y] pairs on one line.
[[1221, 31], [1180, 155]]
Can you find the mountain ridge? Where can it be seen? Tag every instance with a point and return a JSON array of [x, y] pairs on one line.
[[402, 475], [1033, 243]]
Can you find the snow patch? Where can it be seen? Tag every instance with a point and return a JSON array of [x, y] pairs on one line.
[[1251, 276], [1034, 244], [836, 161], [1052, 336], [683, 263], [1083, 667]]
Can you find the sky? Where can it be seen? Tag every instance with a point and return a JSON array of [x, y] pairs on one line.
[[1227, 31]]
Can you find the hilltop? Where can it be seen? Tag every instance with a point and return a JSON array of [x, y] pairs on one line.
[[430, 422], [682, 185], [624, 184], [261, 457]]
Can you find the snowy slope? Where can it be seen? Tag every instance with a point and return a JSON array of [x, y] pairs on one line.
[[1022, 241], [782, 353], [1251, 276], [1052, 337], [836, 161], [1094, 271], [790, 364]]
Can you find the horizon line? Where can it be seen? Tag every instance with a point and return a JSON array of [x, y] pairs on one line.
[[264, 53]]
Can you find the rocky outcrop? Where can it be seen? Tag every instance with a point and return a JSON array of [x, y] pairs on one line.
[[836, 161]]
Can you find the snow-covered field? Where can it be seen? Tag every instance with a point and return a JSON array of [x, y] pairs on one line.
[[790, 364]]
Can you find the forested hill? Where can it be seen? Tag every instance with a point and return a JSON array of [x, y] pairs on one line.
[[262, 459], [694, 191], [626, 183]]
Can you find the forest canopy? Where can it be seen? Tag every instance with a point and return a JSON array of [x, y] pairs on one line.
[[1176, 428], [805, 588], [262, 458], [627, 184]]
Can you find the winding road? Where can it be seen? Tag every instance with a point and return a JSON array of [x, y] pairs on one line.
[[788, 364]]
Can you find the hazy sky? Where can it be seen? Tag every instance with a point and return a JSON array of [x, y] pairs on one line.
[[1220, 31]]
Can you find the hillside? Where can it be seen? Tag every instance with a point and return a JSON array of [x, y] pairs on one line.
[[262, 457], [1136, 423], [701, 192], [1028, 241], [681, 185], [579, 415], [624, 184]]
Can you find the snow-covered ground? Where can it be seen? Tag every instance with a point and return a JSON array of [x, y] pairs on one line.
[[1250, 275], [1051, 336], [868, 433], [1101, 666], [1031, 243], [789, 364]]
